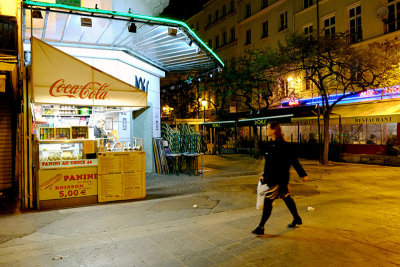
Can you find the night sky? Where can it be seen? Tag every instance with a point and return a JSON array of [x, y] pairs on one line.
[[182, 9]]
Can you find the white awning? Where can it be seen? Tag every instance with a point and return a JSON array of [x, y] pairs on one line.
[[169, 45], [59, 78]]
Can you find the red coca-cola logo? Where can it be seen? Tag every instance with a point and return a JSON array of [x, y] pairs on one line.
[[91, 90]]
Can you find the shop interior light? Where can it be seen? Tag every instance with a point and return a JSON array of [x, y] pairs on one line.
[[36, 14], [132, 27], [172, 31]]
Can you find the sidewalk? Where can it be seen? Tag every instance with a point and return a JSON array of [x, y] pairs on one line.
[[355, 222]]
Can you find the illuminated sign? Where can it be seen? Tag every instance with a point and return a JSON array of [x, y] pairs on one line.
[[367, 93], [373, 94], [216, 125]]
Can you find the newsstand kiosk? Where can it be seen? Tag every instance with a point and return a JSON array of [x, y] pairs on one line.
[[71, 166]]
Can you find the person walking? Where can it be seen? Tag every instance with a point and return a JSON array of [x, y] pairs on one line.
[[278, 159]]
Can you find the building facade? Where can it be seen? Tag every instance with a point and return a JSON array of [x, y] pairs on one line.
[[232, 27], [259, 24]]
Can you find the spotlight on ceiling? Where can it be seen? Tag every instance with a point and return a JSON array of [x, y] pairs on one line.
[[86, 22], [172, 31], [36, 14], [132, 27]]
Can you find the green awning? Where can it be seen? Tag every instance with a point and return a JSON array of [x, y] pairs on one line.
[[262, 121]]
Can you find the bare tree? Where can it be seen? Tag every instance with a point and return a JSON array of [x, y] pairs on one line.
[[334, 66], [252, 81]]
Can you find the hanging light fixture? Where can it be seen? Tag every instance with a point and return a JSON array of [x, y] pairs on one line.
[[132, 27], [36, 14]]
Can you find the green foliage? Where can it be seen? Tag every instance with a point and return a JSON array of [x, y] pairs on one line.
[[252, 78]]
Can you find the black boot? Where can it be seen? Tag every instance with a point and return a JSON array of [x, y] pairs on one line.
[[258, 231], [295, 222]]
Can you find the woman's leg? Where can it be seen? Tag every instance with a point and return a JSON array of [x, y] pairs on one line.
[[266, 211], [292, 208]]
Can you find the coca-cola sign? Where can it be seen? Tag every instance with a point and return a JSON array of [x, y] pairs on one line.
[[90, 90]]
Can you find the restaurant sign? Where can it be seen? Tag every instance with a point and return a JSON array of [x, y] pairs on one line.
[[260, 122], [59, 78], [372, 120]]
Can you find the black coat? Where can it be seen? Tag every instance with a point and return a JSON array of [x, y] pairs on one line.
[[279, 156]]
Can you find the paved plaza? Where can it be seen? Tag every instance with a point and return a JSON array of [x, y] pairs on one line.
[[351, 217]]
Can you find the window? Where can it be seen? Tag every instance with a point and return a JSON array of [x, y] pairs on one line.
[[308, 30], [216, 42], [308, 3], [216, 15], [209, 43], [329, 26], [224, 38], [248, 37], [309, 83], [355, 24], [232, 6], [233, 37], [284, 86], [356, 72], [223, 11], [283, 23], [264, 3], [209, 19], [248, 10], [264, 29], [393, 20]]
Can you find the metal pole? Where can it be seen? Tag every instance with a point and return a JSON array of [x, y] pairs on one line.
[[340, 137], [318, 20]]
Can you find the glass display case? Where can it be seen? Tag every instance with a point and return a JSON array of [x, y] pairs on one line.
[[60, 151], [130, 144]]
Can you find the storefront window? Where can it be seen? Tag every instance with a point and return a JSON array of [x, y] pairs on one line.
[[378, 134]]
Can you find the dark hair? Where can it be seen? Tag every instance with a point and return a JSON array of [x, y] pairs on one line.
[[278, 130]]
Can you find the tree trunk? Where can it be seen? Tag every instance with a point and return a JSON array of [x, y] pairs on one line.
[[326, 140], [256, 145]]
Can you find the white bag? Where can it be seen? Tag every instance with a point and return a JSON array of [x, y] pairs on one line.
[[261, 191]]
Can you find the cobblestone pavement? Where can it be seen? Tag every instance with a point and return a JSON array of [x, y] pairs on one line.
[[355, 222]]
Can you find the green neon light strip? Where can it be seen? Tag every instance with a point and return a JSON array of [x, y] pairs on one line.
[[128, 15]]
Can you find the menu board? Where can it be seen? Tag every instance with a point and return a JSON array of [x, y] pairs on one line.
[[67, 183], [110, 187], [121, 175]]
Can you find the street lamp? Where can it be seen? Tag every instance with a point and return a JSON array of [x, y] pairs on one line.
[[204, 104]]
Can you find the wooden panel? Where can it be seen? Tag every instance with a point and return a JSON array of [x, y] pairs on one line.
[[6, 152]]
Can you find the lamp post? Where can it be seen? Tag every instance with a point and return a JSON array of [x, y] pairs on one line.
[[204, 104]]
